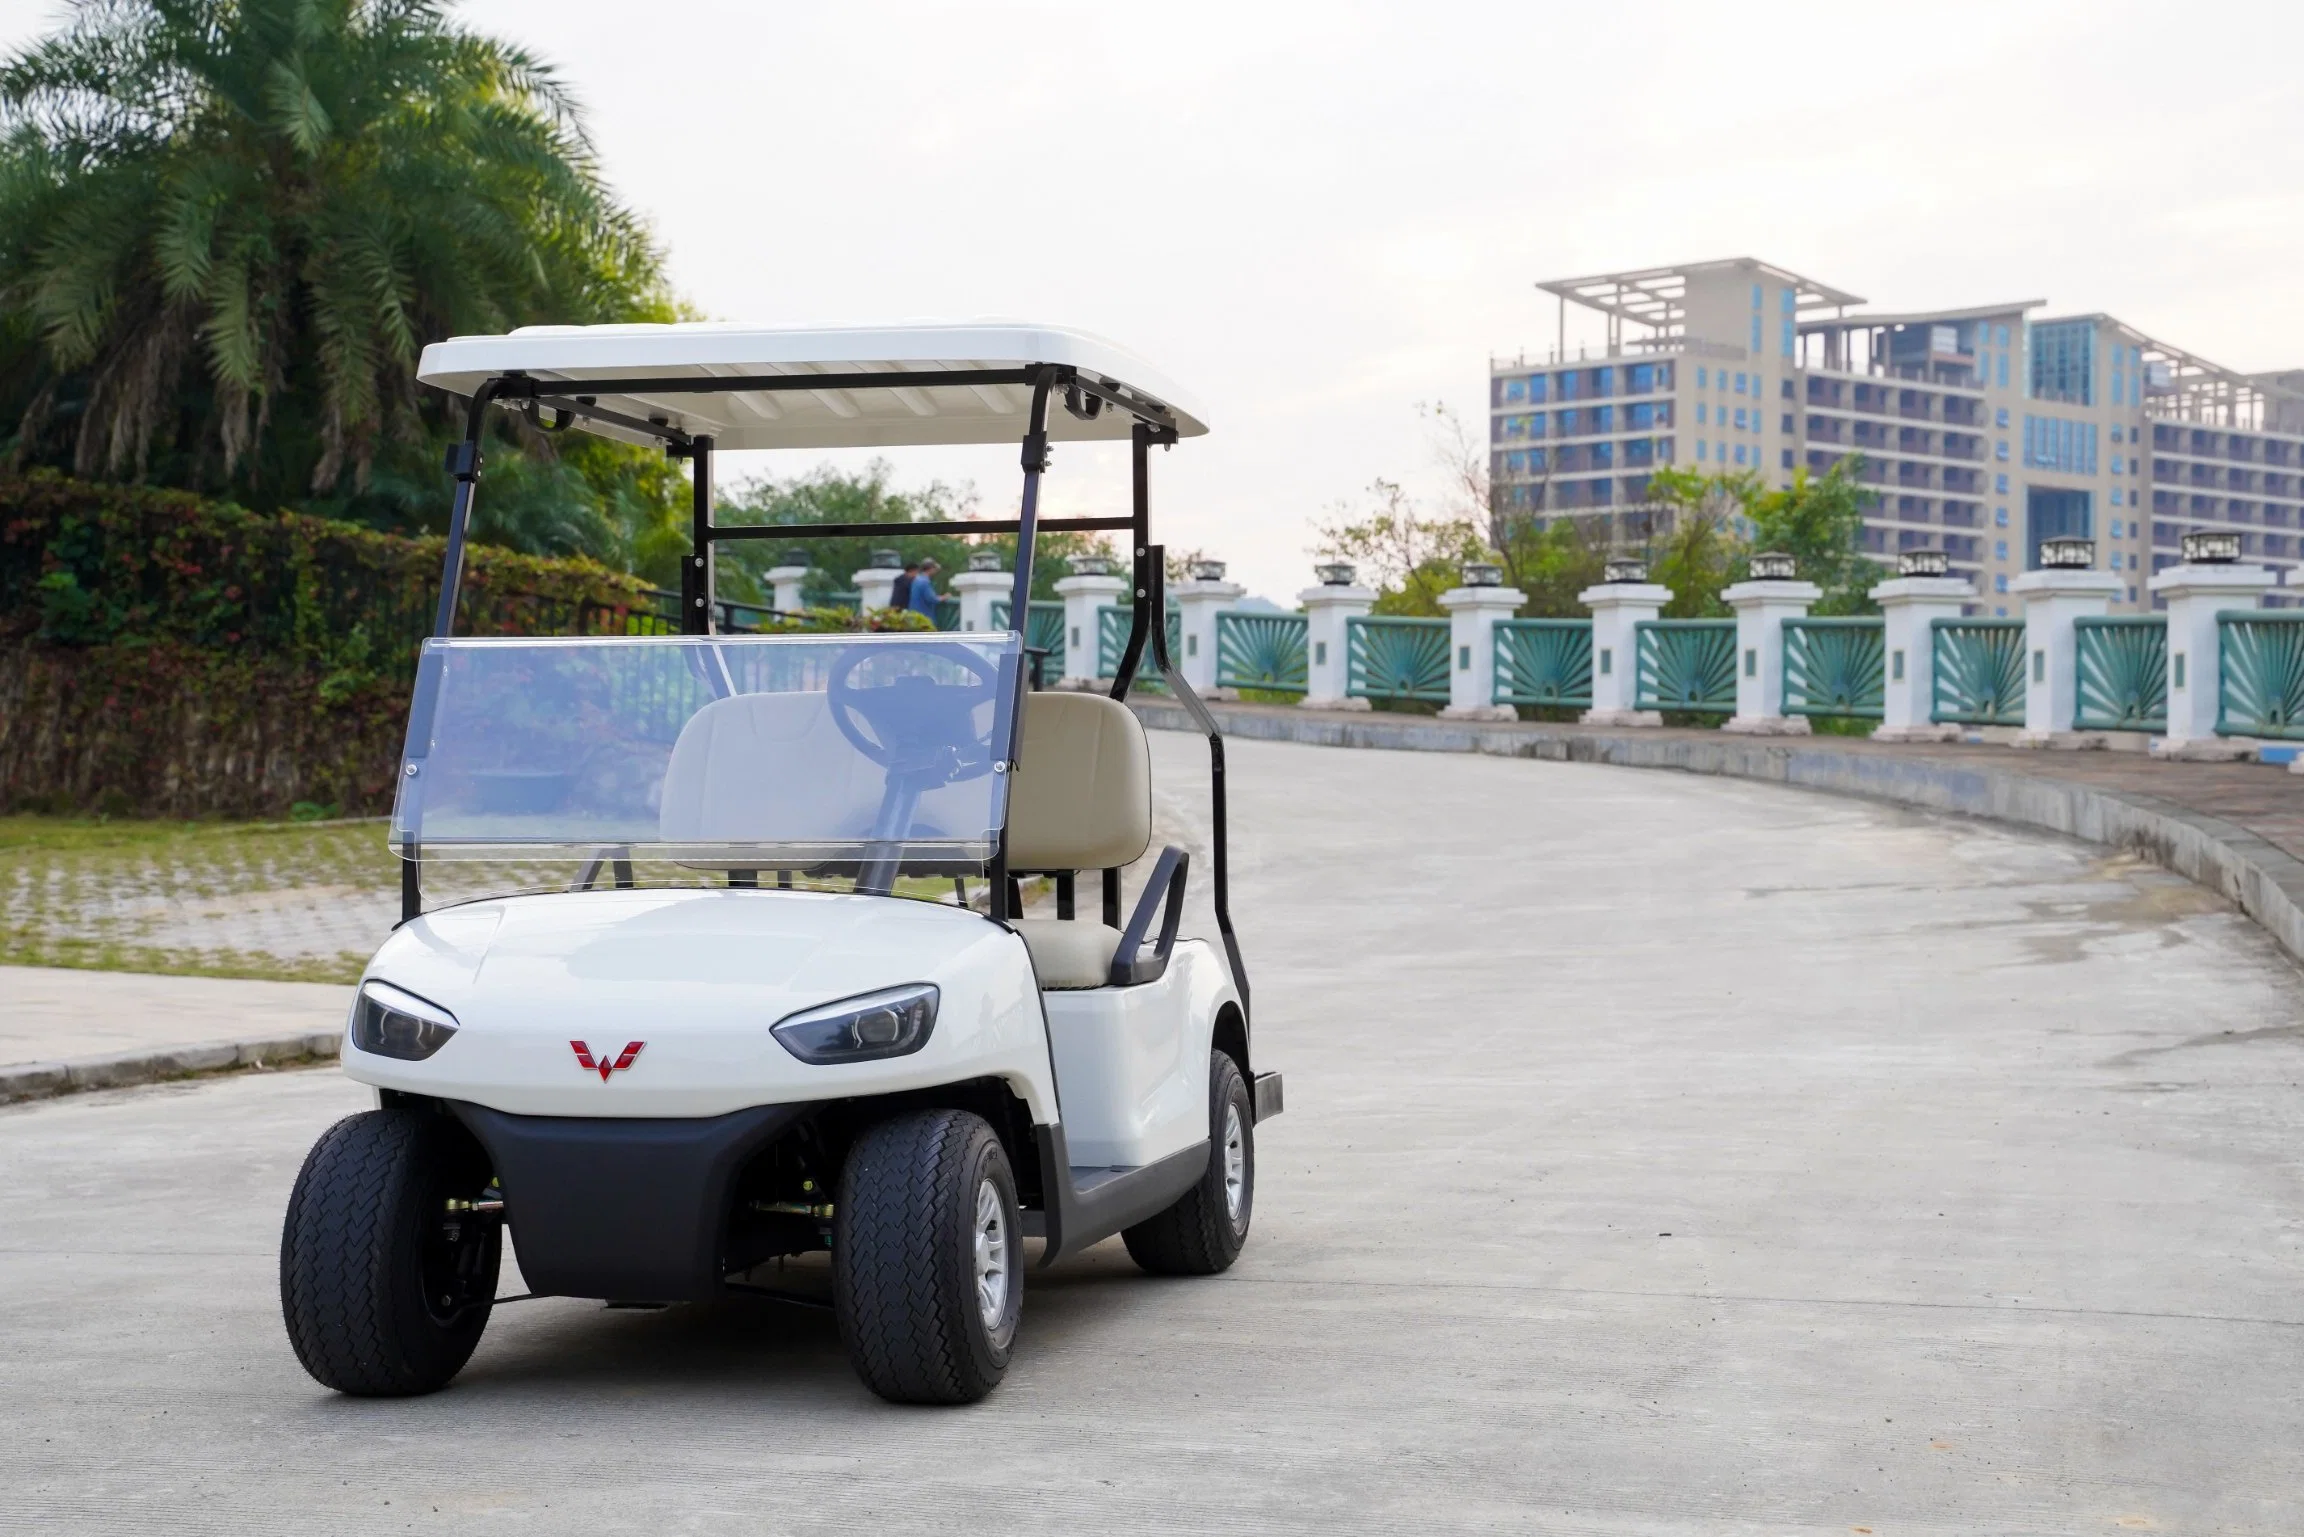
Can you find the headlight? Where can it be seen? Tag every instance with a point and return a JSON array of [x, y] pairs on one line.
[[891, 1023], [390, 1023]]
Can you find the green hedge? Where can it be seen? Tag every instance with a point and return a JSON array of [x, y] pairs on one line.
[[165, 654], [84, 564]]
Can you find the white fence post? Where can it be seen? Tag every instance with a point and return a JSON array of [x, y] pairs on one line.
[[1910, 607], [979, 587], [1327, 667], [1761, 608], [1474, 610], [1198, 598], [1088, 590], [786, 582], [875, 586], [2054, 596], [2195, 594], [1617, 607]]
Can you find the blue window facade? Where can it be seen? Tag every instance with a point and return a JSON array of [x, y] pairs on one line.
[[1755, 329], [2058, 443], [1603, 456], [1536, 390], [1640, 379], [1703, 377], [1512, 392], [2064, 362], [1787, 348], [2055, 514], [1568, 424], [1567, 387], [1603, 419]]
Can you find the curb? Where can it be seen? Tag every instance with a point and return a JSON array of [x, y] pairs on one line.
[[2262, 879], [43, 1080]]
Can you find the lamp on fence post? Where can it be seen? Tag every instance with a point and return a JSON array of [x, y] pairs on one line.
[[876, 583], [787, 578], [1091, 586], [1198, 598], [1327, 608], [1922, 592], [2210, 579], [978, 586], [1474, 611], [1772, 594], [2067, 586], [1623, 600]]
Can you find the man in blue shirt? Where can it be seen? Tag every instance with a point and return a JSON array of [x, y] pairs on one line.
[[923, 595]]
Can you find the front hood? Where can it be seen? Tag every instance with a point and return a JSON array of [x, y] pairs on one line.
[[698, 975]]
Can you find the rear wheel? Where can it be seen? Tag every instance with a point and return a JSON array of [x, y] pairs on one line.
[[928, 1258], [384, 1287], [1204, 1231]]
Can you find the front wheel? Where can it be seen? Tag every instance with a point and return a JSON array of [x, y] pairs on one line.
[[386, 1274], [928, 1258], [1204, 1231]]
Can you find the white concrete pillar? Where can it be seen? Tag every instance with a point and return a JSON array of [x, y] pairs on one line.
[[1198, 602], [2053, 597], [1327, 665], [786, 583], [1761, 609], [1616, 608], [2195, 595], [1473, 614], [1083, 596], [1910, 607], [978, 589], [875, 586]]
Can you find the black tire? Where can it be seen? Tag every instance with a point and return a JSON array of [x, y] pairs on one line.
[[905, 1267], [385, 1292], [1202, 1234]]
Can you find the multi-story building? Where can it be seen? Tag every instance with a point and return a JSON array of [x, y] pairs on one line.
[[1980, 431]]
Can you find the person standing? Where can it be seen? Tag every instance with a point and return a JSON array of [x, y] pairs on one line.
[[923, 596], [900, 590]]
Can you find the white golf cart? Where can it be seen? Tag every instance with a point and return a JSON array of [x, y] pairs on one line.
[[812, 1040]]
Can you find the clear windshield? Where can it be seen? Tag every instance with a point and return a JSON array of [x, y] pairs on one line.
[[778, 752]]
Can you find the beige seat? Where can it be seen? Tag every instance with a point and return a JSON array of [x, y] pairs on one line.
[[1082, 800]]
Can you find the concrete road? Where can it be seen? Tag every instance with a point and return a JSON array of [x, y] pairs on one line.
[[1663, 1156]]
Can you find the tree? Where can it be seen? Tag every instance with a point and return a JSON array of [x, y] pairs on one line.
[[826, 495], [228, 227], [1819, 522], [1409, 555]]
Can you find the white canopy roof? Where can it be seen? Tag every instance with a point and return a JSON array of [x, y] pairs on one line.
[[919, 411]]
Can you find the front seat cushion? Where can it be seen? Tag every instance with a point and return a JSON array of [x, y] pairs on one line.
[[1069, 952]]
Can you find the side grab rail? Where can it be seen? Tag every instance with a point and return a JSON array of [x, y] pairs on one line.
[[1130, 965]]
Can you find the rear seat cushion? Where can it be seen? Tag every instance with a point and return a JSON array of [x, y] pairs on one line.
[[1069, 952]]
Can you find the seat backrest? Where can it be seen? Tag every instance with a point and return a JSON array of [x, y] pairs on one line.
[[1083, 798], [723, 781]]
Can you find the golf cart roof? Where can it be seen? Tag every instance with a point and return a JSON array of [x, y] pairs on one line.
[[962, 408]]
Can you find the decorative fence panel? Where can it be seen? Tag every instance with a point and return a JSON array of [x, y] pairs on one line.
[[1396, 658], [1836, 667], [947, 613], [2263, 691], [1264, 651], [1544, 662], [1112, 640], [1979, 667], [1043, 624], [2123, 673], [1685, 664]]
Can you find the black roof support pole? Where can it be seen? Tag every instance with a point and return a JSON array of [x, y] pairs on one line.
[[1020, 613], [464, 464], [697, 587], [1219, 845], [1140, 442]]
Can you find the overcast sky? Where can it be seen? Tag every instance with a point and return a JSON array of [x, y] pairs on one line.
[[1314, 217]]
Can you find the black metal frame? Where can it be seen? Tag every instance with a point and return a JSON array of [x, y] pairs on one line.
[[1082, 396]]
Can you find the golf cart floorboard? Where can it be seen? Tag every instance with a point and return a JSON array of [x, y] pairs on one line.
[[1094, 1202]]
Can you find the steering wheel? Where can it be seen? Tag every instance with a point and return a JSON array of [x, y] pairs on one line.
[[918, 729]]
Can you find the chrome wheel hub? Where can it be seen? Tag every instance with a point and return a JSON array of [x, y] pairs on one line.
[[991, 1256], [1235, 1165]]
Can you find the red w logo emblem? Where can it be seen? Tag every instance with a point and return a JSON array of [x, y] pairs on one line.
[[605, 1064]]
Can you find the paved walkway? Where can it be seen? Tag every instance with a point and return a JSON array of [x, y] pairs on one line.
[[51, 1014], [1664, 1154]]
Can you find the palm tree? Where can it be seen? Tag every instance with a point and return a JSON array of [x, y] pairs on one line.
[[227, 227]]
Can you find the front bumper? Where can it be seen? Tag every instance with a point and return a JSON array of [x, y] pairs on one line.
[[625, 1208]]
